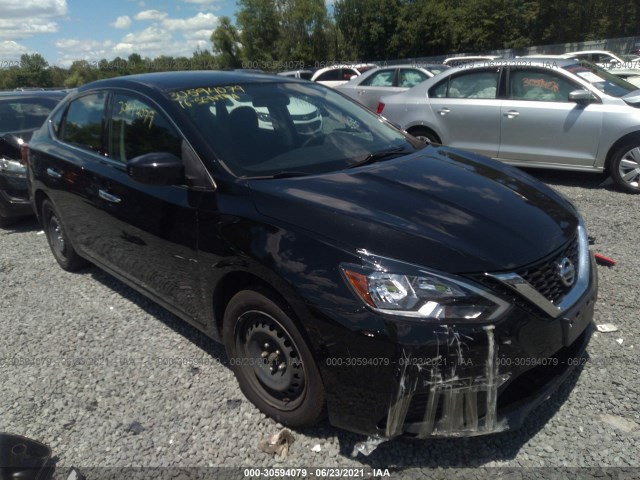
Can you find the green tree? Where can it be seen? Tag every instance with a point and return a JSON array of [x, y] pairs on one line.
[[259, 23], [227, 44]]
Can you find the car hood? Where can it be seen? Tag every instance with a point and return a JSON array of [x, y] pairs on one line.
[[439, 208]]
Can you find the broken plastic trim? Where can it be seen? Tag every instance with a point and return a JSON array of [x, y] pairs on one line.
[[518, 284]]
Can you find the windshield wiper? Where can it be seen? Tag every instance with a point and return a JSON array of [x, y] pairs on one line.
[[381, 155]]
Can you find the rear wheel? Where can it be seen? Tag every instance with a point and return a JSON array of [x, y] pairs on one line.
[[625, 167], [59, 243], [426, 135], [271, 360]]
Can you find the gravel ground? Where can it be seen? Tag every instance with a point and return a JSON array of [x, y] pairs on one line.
[[107, 378]]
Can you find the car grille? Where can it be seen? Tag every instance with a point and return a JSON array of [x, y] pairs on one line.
[[544, 276]]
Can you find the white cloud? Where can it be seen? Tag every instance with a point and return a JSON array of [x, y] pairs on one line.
[[10, 52], [73, 49], [25, 18], [122, 22], [199, 22], [151, 15], [33, 8]]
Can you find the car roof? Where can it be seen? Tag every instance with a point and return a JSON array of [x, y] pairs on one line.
[[167, 81]]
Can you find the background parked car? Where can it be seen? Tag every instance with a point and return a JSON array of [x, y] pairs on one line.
[[375, 83], [21, 112], [564, 114], [340, 74]]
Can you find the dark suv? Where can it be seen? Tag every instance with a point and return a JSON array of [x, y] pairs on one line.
[[21, 112], [402, 288]]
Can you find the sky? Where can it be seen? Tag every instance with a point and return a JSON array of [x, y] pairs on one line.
[[63, 31]]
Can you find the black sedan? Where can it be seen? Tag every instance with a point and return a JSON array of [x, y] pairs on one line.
[[20, 114], [348, 268]]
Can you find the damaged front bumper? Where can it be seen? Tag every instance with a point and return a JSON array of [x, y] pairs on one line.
[[429, 380]]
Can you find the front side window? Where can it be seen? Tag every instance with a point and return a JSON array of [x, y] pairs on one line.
[[541, 85], [476, 84], [138, 128], [83, 124]]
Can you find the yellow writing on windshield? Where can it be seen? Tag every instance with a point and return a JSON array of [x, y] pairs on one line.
[[204, 95]]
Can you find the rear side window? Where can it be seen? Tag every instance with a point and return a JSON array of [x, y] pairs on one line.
[[83, 124], [476, 84], [137, 128], [383, 78], [410, 78]]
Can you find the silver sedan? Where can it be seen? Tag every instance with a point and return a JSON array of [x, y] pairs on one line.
[[373, 84], [562, 114]]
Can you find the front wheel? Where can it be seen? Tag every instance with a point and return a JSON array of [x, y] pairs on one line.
[[625, 168], [59, 243], [271, 360]]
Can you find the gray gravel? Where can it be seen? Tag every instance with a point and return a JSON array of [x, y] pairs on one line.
[[107, 378]]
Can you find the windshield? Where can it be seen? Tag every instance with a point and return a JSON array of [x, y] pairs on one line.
[[270, 129], [601, 79]]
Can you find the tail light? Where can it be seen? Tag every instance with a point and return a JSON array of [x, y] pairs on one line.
[[24, 154], [380, 108]]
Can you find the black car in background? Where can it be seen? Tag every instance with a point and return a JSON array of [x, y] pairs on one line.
[[401, 288], [21, 112]]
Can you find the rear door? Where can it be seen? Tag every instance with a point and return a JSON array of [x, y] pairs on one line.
[[539, 123], [466, 111]]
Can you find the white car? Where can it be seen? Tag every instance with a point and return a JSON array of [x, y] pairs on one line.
[[340, 74]]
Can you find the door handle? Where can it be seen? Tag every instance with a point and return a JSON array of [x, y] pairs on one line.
[[108, 197], [53, 173], [360, 92], [443, 111], [511, 114]]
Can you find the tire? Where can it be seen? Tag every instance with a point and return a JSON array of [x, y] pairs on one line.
[[59, 243], [625, 167], [426, 135], [271, 360]]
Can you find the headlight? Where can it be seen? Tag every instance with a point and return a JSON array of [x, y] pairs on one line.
[[420, 294]]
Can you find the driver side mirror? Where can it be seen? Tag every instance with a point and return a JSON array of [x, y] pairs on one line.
[[158, 168], [581, 97]]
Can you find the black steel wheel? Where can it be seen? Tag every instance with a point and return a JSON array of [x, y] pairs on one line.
[[271, 360], [59, 243]]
